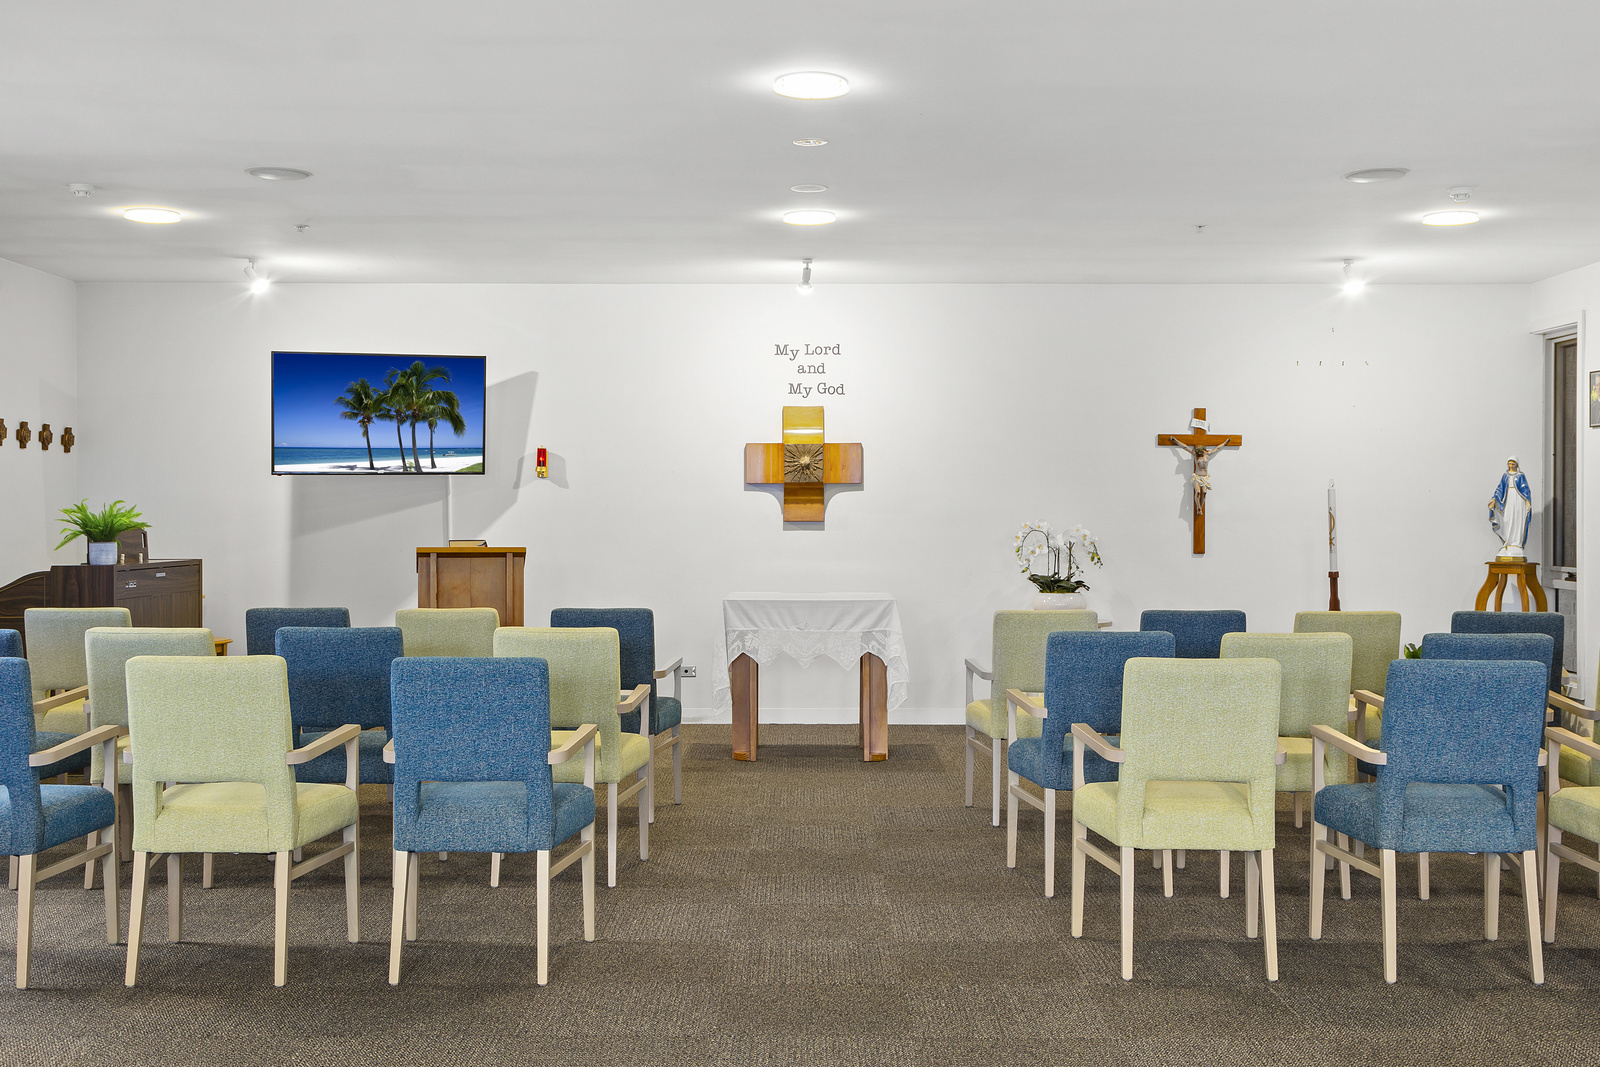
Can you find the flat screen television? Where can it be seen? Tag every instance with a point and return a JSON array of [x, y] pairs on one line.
[[354, 413]]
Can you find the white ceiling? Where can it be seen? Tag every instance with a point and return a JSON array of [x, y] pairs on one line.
[[629, 141]]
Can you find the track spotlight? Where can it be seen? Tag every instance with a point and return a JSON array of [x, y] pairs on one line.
[[805, 276]]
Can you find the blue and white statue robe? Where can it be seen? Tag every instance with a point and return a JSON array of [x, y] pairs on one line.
[[1511, 511]]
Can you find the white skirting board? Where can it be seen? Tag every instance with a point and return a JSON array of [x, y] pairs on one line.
[[902, 716]]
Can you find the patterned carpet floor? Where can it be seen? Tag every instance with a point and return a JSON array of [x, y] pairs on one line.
[[806, 909]]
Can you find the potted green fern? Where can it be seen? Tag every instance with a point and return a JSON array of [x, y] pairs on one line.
[[100, 528]]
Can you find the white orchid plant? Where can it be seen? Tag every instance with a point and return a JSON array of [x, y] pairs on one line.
[[1039, 539]]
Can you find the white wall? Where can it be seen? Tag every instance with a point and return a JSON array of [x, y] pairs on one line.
[[38, 366], [978, 406]]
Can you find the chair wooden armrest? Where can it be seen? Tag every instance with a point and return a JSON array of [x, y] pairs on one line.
[[388, 751], [1027, 702], [672, 668], [71, 696], [1082, 731], [973, 668], [1363, 698], [582, 736], [1568, 706], [99, 735], [326, 743], [632, 700], [1329, 735], [1282, 755], [1558, 735]]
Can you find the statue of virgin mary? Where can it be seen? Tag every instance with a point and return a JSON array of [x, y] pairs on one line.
[[1510, 510]]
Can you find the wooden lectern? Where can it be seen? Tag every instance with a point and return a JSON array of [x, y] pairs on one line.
[[472, 578]]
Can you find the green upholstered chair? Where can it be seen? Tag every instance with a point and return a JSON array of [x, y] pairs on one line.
[[213, 771], [1375, 643], [1017, 663], [1569, 808], [1199, 754], [56, 660], [448, 631], [585, 685]]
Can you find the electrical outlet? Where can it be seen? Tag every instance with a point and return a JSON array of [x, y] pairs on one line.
[[688, 672]]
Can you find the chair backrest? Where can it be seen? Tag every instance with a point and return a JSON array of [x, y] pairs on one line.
[[1536, 648], [1198, 633], [109, 648], [471, 719], [22, 828], [1518, 622], [261, 625], [1018, 649], [585, 681], [1472, 722], [448, 631], [636, 631], [210, 719], [1083, 679], [1315, 673], [1194, 720], [339, 674], [11, 644], [133, 546], [1375, 636], [55, 643]]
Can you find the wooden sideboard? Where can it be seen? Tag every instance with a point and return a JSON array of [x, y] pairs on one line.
[[162, 592]]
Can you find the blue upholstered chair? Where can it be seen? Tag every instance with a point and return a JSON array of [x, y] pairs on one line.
[[1082, 683], [1197, 633], [472, 759], [1552, 623], [11, 646], [37, 817], [1459, 773], [636, 629], [261, 625], [339, 675]]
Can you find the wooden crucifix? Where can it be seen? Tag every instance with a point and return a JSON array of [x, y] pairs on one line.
[[1202, 446], [803, 464]]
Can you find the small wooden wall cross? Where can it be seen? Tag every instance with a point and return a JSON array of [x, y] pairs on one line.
[[803, 464], [1202, 446]]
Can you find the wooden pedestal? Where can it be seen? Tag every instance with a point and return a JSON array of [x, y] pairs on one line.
[[744, 676], [1526, 573]]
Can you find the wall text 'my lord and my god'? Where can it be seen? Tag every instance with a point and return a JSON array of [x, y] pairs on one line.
[[797, 352]]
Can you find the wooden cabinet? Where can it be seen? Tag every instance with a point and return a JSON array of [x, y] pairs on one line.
[[472, 578], [163, 592]]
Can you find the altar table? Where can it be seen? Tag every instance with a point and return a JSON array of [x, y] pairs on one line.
[[846, 627]]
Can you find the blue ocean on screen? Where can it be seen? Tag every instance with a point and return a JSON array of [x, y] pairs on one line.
[[284, 456]]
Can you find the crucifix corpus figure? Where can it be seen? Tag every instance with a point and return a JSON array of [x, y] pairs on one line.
[[1201, 445]]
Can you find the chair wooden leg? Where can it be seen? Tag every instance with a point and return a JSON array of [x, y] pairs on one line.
[[997, 775], [1223, 873], [1386, 892], [88, 868], [352, 883], [280, 920], [174, 896], [28, 867], [1080, 834], [649, 775], [1252, 893], [1491, 896], [1049, 842], [1530, 907], [1539, 840], [1269, 914], [444, 857], [1298, 813], [141, 886], [1552, 882], [108, 875], [1181, 857], [1344, 868], [611, 835], [587, 835], [1422, 876], [494, 870], [1319, 875], [402, 880], [1155, 859], [647, 814], [125, 820], [1127, 913], [677, 766], [542, 911], [971, 735], [413, 885], [11, 880], [1166, 872], [1012, 804], [207, 870]]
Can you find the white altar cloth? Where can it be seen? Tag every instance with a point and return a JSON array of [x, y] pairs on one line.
[[841, 626]]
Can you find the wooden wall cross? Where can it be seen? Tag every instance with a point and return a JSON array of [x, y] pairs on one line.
[[1202, 446], [803, 464]]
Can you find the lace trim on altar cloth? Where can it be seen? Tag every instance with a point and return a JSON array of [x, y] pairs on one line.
[[844, 647]]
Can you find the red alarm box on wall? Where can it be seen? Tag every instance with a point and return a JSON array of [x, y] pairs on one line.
[[541, 464]]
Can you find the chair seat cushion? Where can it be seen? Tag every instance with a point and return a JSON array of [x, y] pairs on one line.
[[124, 768], [1025, 757], [68, 718], [1577, 810], [1295, 774], [981, 717], [491, 817], [329, 767], [70, 811], [78, 761], [635, 754], [1438, 818], [667, 713], [1197, 815], [232, 817]]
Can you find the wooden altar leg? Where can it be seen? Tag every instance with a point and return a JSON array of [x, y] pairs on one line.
[[1522, 590], [1539, 601], [1500, 592], [1483, 594], [744, 674], [874, 709]]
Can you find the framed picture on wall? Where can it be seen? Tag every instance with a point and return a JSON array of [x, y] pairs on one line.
[[1594, 398]]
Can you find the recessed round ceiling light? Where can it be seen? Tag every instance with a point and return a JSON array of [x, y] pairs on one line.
[[808, 188], [278, 174], [1378, 174], [810, 142], [1455, 217], [158, 215], [811, 85], [809, 217]]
